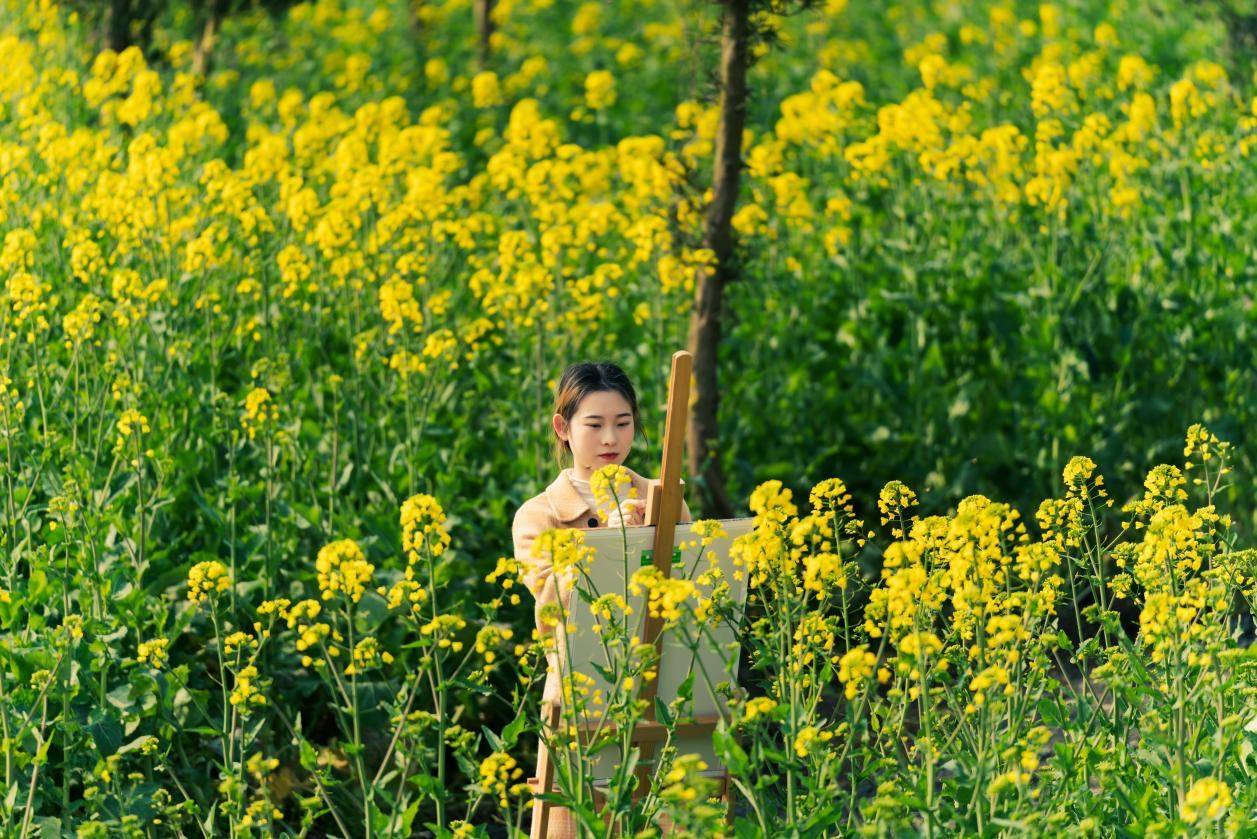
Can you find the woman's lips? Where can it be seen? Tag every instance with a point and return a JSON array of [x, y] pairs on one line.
[[610, 456]]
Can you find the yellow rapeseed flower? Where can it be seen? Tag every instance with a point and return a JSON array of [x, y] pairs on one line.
[[599, 90], [342, 567], [246, 693], [486, 91], [760, 706], [854, 668], [259, 411], [1208, 799], [423, 529], [153, 652], [207, 578], [497, 771]]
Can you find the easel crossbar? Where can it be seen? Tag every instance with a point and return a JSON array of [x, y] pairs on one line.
[[650, 731]]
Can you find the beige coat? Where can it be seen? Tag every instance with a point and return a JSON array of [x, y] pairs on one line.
[[560, 505]]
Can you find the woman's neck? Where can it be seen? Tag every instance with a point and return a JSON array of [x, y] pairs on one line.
[[580, 473]]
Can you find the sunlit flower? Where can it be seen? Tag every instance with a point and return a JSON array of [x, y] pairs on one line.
[[207, 578], [1207, 800], [497, 771], [154, 652], [342, 567], [599, 90]]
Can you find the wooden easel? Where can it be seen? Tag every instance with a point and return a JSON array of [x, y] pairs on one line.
[[663, 510]]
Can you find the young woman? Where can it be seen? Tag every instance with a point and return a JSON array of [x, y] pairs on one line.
[[595, 421]]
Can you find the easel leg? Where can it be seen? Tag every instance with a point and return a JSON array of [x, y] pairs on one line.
[[545, 773]]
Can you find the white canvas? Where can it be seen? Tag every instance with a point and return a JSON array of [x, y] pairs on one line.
[[609, 573]]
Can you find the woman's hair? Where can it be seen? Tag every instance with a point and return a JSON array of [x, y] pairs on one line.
[[586, 377]]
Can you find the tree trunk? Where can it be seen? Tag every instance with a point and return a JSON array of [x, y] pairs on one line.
[[122, 16], [148, 18], [118, 27], [203, 58], [484, 30], [705, 320]]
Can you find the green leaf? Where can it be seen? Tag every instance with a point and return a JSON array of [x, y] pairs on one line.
[[408, 817], [1050, 713], [663, 713], [309, 759], [205, 730], [512, 731], [826, 817], [729, 752], [495, 742], [605, 672], [208, 824], [429, 785], [344, 478], [685, 691], [107, 734], [1063, 642]]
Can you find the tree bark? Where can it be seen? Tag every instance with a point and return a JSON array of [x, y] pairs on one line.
[[118, 27], [484, 30], [203, 58], [120, 17], [148, 18], [705, 319]]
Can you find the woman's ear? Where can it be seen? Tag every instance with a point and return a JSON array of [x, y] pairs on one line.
[[560, 426]]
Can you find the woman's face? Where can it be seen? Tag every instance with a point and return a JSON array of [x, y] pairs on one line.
[[601, 431]]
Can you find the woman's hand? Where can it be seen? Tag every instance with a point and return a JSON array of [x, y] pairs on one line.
[[631, 512]]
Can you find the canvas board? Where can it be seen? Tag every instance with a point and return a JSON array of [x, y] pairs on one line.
[[609, 572]]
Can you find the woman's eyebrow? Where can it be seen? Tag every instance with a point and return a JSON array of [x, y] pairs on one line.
[[599, 416]]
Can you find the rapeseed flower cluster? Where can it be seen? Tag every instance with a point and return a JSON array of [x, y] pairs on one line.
[[342, 567], [759, 707], [611, 485], [443, 631], [206, 579], [807, 737], [260, 411], [1207, 800], [311, 632], [666, 595], [424, 533], [154, 652], [684, 784], [131, 422], [566, 551], [246, 692], [855, 668], [367, 653], [497, 772], [488, 638]]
